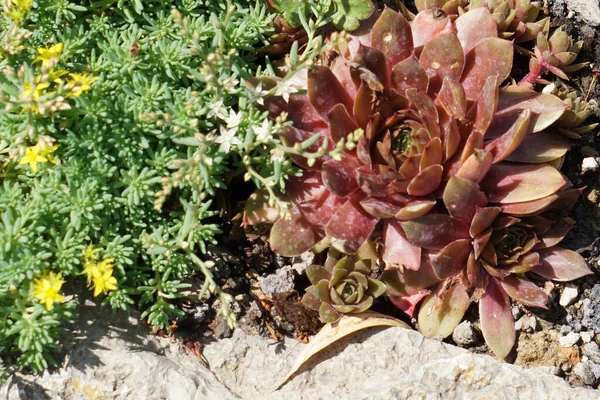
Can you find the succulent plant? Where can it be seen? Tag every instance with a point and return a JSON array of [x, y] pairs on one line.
[[341, 286], [570, 124], [425, 98], [455, 175], [488, 253]]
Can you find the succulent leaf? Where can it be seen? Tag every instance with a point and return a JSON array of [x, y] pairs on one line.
[[497, 323]]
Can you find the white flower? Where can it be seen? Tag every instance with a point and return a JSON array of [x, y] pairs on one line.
[[284, 89], [257, 93], [277, 155], [217, 109], [233, 120], [227, 139], [263, 132]]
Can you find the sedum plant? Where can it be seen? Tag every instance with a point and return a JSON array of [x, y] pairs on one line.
[[446, 161], [121, 126]]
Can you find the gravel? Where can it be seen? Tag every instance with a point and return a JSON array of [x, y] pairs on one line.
[[570, 339]]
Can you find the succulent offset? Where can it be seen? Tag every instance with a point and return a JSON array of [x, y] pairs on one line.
[[454, 170], [341, 286]]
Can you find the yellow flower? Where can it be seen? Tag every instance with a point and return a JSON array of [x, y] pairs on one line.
[[99, 275], [18, 9], [104, 282], [46, 152], [34, 91], [46, 289], [56, 75], [46, 56], [80, 83], [91, 253], [32, 157]]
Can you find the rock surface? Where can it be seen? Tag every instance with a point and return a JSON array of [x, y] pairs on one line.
[[379, 364], [115, 358], [587, 10]]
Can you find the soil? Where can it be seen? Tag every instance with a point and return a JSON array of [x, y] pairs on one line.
[[244, 262]]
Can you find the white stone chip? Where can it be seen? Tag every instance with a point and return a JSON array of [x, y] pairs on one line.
[[568, 295]]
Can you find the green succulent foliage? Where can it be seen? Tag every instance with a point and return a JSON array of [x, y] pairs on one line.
[[163, 127], [341, 286], [343, 14]]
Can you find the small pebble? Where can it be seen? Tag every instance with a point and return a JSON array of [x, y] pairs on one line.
[[516, 312], [577, 327], [527, 323], [570, 339], [586, 337], [589, 164], [583, 371], [568, 295], [464, 335], [565, 329], [571, 15]]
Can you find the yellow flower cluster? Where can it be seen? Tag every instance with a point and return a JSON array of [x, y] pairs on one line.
[[16, 9], [38, 154], [46, 289], [99, 272], [51, 78]]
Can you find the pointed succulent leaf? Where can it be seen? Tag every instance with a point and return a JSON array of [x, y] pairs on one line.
[[482, 111], [452, 259], [539, 148], [528, 207], [476, 166], [379, 208], [561, 265], [373, 61], [426, 181], [497, 323], [292, 237], [325, 91], [328, 314], [452, 98], [490, 57], [555, 234], [462, 197], [434, 231], [339, 176], [432, 153], [321, 290], [341, 124], [474, 26], [398, 250], [408, 303], [525, 264], [442, 57], [504, 145], [257, 209], [545, 109], [415, 209], [428, 25], [316, 273], [514, 183], [349, 227], [524, 291], [310, 299], [483, 219], [423, 104], [341, 270], [392, 35], [376, 288], [442, 310], [408, 73]]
